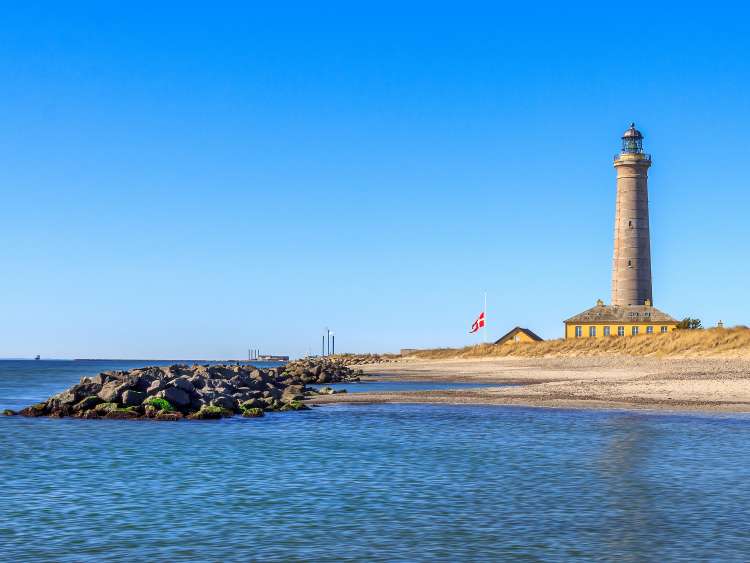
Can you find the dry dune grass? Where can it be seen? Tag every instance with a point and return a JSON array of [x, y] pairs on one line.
[[709, 343]]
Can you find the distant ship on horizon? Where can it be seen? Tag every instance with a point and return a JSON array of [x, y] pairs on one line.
[[37, 357]]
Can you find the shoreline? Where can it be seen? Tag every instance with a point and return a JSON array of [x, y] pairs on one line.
[[687, 385]]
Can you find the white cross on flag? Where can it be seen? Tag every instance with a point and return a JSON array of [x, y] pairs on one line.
[[479, 323]]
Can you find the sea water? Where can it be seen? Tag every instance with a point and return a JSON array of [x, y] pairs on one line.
[[369, 482]]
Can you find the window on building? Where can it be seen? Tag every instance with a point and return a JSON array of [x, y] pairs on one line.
[[630, 224], [649, 330], [592, 331], [634, 331], [630, 263], [664, 329], [620, 331], [579, 331], [517, 338], [606, 331]]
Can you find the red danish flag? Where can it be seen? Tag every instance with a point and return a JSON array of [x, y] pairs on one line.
[[479, 323]]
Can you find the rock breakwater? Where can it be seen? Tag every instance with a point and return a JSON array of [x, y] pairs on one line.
[[197, 392], [364, 359]]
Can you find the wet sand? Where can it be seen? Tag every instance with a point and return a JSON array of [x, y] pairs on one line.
[[709, 385]]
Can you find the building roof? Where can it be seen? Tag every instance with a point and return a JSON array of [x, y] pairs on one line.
[[618, 314], [510, 334]]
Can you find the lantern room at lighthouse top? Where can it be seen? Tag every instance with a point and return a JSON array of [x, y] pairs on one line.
[[632, 146]]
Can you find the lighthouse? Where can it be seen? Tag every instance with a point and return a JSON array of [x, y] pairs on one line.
[[631, 265], [632, 311]]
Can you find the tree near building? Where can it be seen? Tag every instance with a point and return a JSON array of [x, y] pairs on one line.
[[690, 324]]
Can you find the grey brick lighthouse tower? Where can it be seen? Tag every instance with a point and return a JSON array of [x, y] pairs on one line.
[[631, 268], [632, 311]]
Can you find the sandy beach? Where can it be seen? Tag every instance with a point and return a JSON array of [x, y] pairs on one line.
[[689, 384]]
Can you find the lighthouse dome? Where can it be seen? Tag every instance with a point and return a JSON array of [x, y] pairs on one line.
[[632, 141], [632, 133]]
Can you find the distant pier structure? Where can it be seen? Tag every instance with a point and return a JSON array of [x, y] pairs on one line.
[[253, 354], [631, 267]]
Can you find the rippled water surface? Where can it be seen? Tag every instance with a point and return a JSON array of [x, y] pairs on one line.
[[379, 482]]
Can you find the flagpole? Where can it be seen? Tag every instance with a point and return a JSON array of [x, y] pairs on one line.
[[484, 332]]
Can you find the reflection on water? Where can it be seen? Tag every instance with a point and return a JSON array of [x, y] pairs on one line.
[[377, 482], [629, 496]]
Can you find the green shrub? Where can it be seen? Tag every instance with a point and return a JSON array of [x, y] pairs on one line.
[[690, 324], [160, 404], [252, 412]]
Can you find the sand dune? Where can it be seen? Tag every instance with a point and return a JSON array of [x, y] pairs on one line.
[[708, 343]]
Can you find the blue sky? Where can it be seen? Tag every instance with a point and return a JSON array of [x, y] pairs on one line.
[[184, 181]]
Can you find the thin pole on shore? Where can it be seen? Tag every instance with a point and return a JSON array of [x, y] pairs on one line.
[[328, 331], [484, 332], [333, 344], [323, 346]]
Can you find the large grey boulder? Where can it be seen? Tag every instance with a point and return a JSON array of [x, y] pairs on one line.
[[293, 393], [272, 392], [207, 395], [197, 381], [225, 389], [112, 391], [101, 379], [225, 402], [253, 404], [133, 398], [258, 375], [196, 402], [184, 384], [87, 403], [177, 397], [69, 397], [240, 396], [145, 380], [156, 386]]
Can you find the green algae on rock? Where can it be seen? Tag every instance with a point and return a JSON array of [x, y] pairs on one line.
[[159, 404]]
